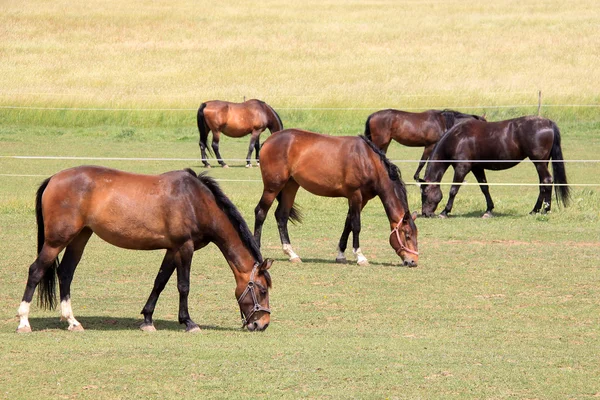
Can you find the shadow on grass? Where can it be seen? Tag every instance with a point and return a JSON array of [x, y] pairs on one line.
[[116, 324], [350, 263]]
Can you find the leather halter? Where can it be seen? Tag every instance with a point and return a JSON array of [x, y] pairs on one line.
[[250, 288], [402, 245]]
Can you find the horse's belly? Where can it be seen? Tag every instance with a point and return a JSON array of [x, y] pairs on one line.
[[132, 237]]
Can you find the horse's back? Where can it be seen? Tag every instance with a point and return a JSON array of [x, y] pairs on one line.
[[322, 164], [407, 128], [125, 209]]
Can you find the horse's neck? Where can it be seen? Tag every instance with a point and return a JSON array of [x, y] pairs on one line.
[[238, 256], [393, 206]]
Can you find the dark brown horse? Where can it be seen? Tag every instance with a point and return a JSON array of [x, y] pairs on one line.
[[350, 167], [475, 146], [235, 120], [422, 129], [177, 211]]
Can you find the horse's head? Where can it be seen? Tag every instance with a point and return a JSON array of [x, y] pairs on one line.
[[431, 195], [403, 239], [253, 297]]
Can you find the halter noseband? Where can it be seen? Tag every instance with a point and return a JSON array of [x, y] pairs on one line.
[[250, 288], [402, 245]]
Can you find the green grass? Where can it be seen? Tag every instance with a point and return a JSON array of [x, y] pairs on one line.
[[497, 308]]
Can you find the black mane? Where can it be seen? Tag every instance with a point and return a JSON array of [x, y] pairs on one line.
[[392, 170], [450, 116], [232, 213]]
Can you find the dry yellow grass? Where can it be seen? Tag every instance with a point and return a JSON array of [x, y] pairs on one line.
[[310, 53]]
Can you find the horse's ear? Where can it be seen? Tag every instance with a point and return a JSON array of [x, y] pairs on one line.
[[266, 264], [483, 116], [414, 215]]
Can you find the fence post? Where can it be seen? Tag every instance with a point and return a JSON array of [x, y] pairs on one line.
[[539, 103]]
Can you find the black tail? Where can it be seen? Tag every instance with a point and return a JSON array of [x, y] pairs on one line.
[[295, 213], [47, 287], [278, 120], [368, 128], [563, 192], [203, 128]]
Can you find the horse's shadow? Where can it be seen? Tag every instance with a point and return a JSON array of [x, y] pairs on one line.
[[107, 323], [349, 263]]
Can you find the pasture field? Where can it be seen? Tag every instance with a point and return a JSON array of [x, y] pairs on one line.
[[500, 308]]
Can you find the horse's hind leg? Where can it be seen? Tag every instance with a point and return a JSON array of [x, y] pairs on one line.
[[254, 144], [480, 175], [42, 265], [544, 200], [215, 147], [164, 274], [203, 154], [282, 215], [65, 271], [260, 212]]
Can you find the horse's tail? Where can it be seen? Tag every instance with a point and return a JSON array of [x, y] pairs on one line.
[[563, 192], [368, 128], [295, 213], [277, 118], [47, 287], [203, 128]]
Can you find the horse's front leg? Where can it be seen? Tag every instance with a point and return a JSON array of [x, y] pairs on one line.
[[215, 147], [355, 208], [183, 261], [424, 158], [460, 171], [164, 274], [480, 175]]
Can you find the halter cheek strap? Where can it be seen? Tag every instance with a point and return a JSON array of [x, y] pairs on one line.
[[396, 230], [250, 288]]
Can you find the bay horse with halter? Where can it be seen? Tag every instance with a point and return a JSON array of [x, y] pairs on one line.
[[177, 211], [235, 120], [330, 166], [475, 146], [422, 129]]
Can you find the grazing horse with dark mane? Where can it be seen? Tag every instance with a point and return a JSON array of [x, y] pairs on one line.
[[422, 129], [235, 120], [475, 146], [177, 211], [350, 167]]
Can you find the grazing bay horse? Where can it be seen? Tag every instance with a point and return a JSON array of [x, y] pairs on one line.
[[235, 120], [475, 146], [350, 167], [422, 129], [177, 211]]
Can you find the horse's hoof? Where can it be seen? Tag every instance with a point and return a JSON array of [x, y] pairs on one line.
[[24, 329], [248, 165], [487, 215], [362, 263], [194, 329], [76, 328], [295, 260], [225, 166], [341, 260], [443, 216], [147, 328]]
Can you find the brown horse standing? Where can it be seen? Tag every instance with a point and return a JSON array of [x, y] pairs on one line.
[[177, 211], [235, 120], [350, 167], [422, 129], [475, 146]]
